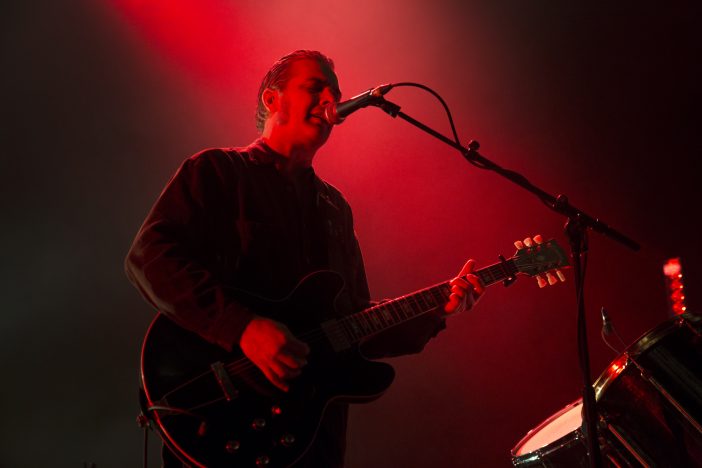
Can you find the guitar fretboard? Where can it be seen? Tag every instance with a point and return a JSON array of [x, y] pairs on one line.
[[368, 322]]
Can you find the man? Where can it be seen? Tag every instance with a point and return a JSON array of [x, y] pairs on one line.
[[258, 219]]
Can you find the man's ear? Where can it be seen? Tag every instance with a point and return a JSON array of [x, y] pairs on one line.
[[270, 100]]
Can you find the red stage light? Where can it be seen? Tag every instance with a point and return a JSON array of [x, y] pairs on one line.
[[674, 282]]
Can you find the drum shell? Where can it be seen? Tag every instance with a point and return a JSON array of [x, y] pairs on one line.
[[650, 400], [649, 404]]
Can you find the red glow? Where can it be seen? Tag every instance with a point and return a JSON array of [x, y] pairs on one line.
[[674, 279], [203, 39], [616, 368], [672, 268]]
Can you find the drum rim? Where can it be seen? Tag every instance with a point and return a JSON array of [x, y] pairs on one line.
[[544, 423], [640, 346]]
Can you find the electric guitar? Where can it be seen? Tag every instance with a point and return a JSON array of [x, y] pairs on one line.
[[216, 409]]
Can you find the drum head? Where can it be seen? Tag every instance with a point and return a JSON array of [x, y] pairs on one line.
[[555, 433]]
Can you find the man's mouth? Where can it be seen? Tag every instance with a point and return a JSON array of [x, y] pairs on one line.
[[319, 118]]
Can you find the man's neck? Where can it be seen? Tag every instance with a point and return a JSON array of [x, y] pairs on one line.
[[296, 158]]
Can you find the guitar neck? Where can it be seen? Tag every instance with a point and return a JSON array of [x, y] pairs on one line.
[[390, 313]]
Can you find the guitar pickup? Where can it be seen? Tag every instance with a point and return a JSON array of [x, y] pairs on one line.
[[224, 381]]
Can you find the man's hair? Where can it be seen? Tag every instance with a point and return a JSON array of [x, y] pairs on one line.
[[278, 76]]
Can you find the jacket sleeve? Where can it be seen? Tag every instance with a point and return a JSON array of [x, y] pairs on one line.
[[173, 261]]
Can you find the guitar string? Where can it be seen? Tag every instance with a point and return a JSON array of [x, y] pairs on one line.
[[316, 335], [243, 365]]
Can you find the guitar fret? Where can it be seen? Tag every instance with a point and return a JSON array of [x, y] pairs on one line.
[[496, 272], [395, 308], [369, 322], [380, 316], [405, 308], [485, 276], [363, 325], [387, 315], [419, 300], [344, 321], [445, 291], [414, 303], [436, 294], [504, 270], [357, 331], [376, 320], [428, 296]]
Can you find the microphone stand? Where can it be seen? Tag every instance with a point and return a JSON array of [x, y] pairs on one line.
[[576, 229]]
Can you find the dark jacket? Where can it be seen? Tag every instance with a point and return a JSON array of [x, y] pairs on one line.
[[228, 221]]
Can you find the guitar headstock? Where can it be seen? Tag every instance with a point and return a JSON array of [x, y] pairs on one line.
[[540, 259]]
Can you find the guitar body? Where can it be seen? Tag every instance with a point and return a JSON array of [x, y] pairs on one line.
[[216, 409]]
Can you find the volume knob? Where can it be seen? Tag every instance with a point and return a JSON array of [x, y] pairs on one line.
[[232, 446], [258, 424], [287, 440]]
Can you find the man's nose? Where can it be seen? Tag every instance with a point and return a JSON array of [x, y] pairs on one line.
[[326, 97]]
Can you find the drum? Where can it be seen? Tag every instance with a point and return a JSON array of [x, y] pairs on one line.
[[558, 441], [649, 405]]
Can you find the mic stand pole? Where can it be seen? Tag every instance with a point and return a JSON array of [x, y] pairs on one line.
[[576, 229]]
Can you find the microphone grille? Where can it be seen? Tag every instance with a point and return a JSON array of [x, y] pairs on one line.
[[331, 115]]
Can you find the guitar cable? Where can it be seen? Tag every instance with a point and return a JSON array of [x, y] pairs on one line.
[[144, 423], [608, 329]]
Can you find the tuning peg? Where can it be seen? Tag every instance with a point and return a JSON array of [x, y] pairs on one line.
[[519, 245], [538, 239], [528, 242], [560, 275], [551, 278], [541, 281]]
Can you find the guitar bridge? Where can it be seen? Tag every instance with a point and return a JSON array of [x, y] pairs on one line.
[[225, 383]]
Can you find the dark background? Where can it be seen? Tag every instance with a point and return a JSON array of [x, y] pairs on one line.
[[101, 101]]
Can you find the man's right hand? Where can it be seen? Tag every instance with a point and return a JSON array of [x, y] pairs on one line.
[[274, 350]]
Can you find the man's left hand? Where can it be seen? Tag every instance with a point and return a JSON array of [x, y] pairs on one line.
[[466, 289]]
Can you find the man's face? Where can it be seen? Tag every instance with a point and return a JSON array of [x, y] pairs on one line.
[[299, 117]]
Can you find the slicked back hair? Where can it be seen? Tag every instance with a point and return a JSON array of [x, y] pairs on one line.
[[278, 76]]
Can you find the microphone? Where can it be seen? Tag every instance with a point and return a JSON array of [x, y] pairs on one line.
[[336, 113]]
